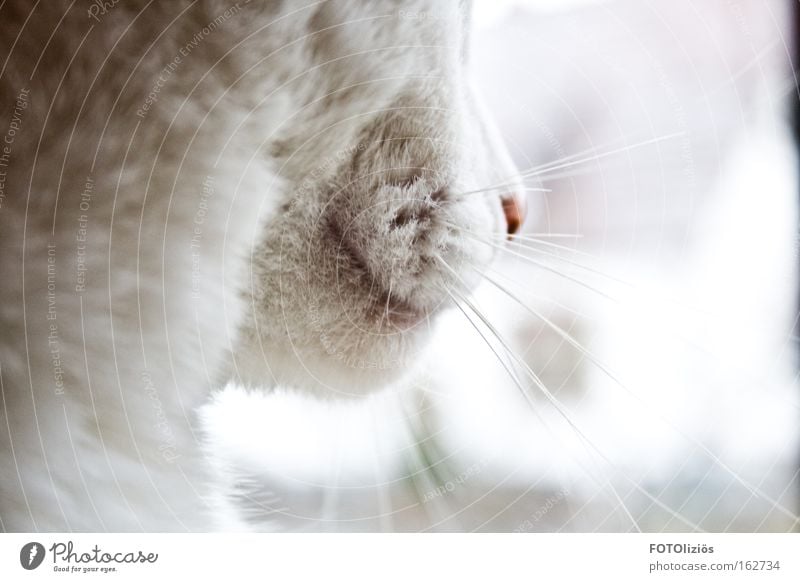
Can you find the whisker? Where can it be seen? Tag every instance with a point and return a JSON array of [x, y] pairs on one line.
[[571, 157], [538, 239], [587, 442], [508, 188], [504, 238], [547, 267], [547, 298], [535, 236], [568, 162], [509, 370], [550, 254], [600, 156], [570, 173], [753, 489], [517, 382], [557, 404], [571, 262], [553, 401]]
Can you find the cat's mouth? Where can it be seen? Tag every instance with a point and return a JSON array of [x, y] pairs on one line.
[[403, 295]]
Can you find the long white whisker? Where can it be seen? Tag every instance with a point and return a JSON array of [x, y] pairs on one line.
[[587, 442], [573, 172], [548, 254], [524, 392], [513, 180], [547, 298], [562, 412], [508, 188], [536, 236], [545, 267], [596, 361], [527, 238], [570, 157], [561, 164], [558, 406], [536, 172]]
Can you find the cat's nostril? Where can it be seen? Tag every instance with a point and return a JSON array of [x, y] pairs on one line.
[[514, 210]]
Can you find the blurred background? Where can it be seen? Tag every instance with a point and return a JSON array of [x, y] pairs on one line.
[[659, 289]]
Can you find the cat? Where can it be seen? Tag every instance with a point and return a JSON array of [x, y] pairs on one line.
[[280, 194]]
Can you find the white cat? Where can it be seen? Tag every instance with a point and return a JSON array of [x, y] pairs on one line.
[[277, 193]]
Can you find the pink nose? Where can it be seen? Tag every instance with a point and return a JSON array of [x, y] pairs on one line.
[[514, 209]]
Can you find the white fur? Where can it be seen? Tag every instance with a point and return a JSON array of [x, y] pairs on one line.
[[312, 154]]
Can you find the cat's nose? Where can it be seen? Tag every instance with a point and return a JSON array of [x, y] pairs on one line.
[[514, 209]]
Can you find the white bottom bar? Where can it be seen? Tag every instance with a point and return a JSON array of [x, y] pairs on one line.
[[407, 557]]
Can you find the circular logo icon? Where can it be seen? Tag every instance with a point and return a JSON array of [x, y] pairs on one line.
[[31, 555]]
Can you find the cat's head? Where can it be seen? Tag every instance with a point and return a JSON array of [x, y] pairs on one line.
[[381, 224]]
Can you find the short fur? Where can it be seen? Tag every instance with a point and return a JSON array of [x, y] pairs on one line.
[[209, 191]]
